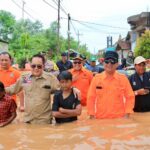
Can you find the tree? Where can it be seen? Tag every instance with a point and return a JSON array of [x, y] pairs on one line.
[[7, 22], [143, 45]]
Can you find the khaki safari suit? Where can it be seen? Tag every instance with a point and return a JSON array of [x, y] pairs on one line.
[[37, 96]]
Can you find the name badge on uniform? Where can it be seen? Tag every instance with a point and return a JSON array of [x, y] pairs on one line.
[[134, 83], [27, 80]]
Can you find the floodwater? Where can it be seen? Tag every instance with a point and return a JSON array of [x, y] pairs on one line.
[[85, 134]]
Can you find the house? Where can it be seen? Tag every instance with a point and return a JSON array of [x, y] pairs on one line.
[[3, 45], [123, 46], [139, 23]]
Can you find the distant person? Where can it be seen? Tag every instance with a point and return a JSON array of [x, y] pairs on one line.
[[66, 107], [9, 75], [93, 67], [50, 65], [85, 62], [101, 62], [123, 64], [7, 107], [81, 78], [110, 94], [64, 63], [130, 59], [140, 82]]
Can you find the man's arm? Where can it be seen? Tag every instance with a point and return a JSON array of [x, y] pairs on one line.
[[15, 88], [129, 98], [91, 98]]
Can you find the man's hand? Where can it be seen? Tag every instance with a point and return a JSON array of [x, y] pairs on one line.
[[2, 124], [21, 109], [77, 93], [142, 91]]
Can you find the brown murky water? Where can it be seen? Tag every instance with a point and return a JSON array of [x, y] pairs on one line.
[[116, 134]]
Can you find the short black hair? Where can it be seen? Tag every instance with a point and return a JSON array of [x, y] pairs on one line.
[[65, 75], [6, 53], [39, 56], [2, 88]]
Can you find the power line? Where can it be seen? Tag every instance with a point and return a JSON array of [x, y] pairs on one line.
[[33, 11], [99, 24], [97, 30], [23, 10], [61, 7], [81, 21], [74, 28], [49, 4]]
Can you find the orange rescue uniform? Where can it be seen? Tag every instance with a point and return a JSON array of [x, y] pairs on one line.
[[9, 77], [110, 97], [82, 82]]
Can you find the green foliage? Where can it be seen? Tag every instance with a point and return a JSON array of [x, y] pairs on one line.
[[7, 21], [143, 45], [29, 38]]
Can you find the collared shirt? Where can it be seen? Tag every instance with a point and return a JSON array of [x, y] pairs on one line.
[[93, 68], [82, 82], [7, 107], [110, 97], [9, 77], [64, 66], [37, 91], [142, 102]]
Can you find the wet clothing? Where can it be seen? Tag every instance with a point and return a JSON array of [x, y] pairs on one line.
[[7, 107], [37, 92], [110, 97], [68, 103], [64, 66], [82, 82], [142, 102], [9, 77]]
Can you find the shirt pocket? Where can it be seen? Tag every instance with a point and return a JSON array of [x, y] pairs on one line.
[[45, 92]]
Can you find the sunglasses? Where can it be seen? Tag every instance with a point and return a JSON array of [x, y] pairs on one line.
[[33, 66], [77, 62], [107, 61]]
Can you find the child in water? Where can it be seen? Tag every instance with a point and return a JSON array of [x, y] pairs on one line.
[[7, 107], [65, 106]]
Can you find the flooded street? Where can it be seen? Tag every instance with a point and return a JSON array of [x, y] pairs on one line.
[[116, 134]]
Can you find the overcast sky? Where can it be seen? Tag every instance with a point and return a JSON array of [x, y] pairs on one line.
[[113, 13]]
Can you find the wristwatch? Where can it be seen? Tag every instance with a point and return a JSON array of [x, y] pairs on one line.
[[136, 93]]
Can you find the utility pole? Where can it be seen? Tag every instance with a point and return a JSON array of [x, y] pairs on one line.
[[23, 3], [69, 18], [78, 34], [148, 19], [109, 41], [58, 27]]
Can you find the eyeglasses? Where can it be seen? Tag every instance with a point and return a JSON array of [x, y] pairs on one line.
[[33, 66], [107, 61], [77, 62]]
